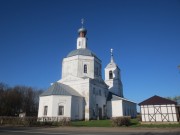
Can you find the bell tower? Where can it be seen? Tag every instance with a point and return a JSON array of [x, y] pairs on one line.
[[113, 77]]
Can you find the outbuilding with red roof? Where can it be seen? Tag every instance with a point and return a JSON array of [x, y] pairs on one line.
[[159, 109]]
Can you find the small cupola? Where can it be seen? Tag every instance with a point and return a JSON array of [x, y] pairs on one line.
[[81, 40], [82, 31]]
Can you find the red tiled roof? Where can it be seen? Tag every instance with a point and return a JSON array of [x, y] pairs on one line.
[[157, 100]]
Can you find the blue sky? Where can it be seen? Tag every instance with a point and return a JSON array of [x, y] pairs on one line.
[[35, 35]]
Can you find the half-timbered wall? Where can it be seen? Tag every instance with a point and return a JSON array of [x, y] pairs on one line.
[[159, 113]]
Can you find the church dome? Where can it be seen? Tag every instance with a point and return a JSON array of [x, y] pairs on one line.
[[82, 30], [82, 51]]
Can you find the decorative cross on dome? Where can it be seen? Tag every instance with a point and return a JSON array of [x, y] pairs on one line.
[[111, 52], [112, 60], [82, 22]]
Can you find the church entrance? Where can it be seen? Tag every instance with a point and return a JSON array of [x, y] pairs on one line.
[[100, 113]]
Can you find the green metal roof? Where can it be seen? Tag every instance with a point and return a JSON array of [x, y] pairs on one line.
[[84, 52], [60, 89], [111, 65]]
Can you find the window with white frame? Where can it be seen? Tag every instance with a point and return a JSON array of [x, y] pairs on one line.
[[110, 75], [85, 68], [45, 110], [61, 110]]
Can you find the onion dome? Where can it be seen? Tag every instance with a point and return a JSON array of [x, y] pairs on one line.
[[82, 30]]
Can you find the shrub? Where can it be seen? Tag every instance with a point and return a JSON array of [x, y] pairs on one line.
[[26, 121], [34, 121], [139, 118], [30, 121], [56, 121], [65, 122], [121, 121]]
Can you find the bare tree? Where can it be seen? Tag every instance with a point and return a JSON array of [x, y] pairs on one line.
[[18, 99], [175, 98], [179, 67]]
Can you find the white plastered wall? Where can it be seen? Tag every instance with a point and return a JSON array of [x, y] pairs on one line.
[[75, 66], [114, 108], [82, 87], [77, 108], [97, 98], [53, 102], [121, 107], [129, 108]]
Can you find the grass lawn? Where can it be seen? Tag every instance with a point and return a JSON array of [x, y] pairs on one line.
[[92, 123], [108, 123]]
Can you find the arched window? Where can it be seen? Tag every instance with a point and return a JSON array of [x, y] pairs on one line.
[[61, 110], [94, 91], [110, 75], [85, 68], [45, 110]]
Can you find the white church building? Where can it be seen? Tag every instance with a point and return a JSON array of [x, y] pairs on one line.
[[81, 93]]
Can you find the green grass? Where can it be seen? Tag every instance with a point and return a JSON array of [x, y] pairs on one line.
[[108, 123], [99, 123], [134, 123], [92, 123]]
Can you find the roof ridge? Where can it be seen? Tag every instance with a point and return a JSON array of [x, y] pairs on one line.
[[58, 88], [157, 100]]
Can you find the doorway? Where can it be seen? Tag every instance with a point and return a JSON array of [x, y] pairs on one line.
[[100, 113]]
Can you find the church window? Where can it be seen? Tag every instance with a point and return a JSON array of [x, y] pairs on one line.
[[99, 92], [85, 68], [110, 75], [97, 109], [96, 71], [94, 91], [45, 110], [104, 110], [61, 110], [105, 94], [94, 113]]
